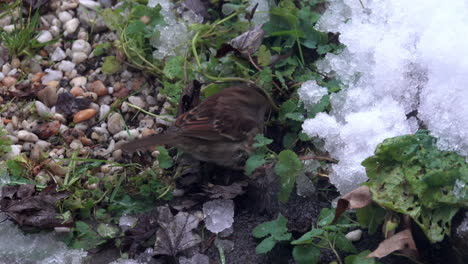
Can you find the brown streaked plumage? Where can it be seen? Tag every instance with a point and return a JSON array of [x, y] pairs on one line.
[[221, 129]]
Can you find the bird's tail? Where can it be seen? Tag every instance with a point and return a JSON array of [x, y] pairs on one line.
[[149, 141]]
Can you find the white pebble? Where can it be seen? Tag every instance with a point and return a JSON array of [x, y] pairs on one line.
[[27, 136], [58, 54], [78, 57], [81, 45], [44, 36], [2, 76], [71, 25], [354, 236], [66, 66], [90, 4], [42, 109], [64, 16], [78, 81], [124, 135], [55, 31], [76, 144], [9, 28], [52, 76], [103, 110]]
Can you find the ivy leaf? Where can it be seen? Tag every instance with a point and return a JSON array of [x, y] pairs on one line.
[[370, 217], [165, 160], [307, 237], [261, 141], [275, 230], [253, 162], [265, 246], [326, 216], [287, 168], [289, 139], [360, 258], [306, 254], [342, 243]]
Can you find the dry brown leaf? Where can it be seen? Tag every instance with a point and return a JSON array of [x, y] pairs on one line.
[[358, 198], [400, 241]]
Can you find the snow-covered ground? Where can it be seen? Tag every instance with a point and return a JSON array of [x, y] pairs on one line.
[[401, 56]]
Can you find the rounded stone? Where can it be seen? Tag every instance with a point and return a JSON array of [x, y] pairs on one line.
[[84, 115]]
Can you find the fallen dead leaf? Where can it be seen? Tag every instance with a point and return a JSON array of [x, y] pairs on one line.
[[402, 241], [358, 198]]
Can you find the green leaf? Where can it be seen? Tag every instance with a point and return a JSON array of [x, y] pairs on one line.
[[16, 168], [264, 56], [326, 216], [276, 230], [287, 168], [164, 159], [295, 116], [342, 243], [307, 237], [410, 175], [101, 49], [265, 246], [253, 162], [261, 141], [174, 68], [306, 254], [107, 231], [289, 139], [361, 258], [370, 217], [86, 237], [112, 19], [111, 65]]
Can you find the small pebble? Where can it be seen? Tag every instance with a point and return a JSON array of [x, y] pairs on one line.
[[84, 115], [354, 236], [44, 36], [42, 109], [138, 101], [115, 123], [9, 81], [37, 77], [78, 81], [90, 4], [27, 136], [66, 66], [58, 54], [76, 91], [64, 16], [81, 46], [48, 95], [103, 110], [52, 76], [71, 26], [98, 87], [78, 57]]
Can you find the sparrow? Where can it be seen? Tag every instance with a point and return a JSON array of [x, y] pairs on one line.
[[221, 129]]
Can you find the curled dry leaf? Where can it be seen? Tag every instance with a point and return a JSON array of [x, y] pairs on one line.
[[402, 241], [358, 198], [175, 232], [27, 207], [136, 236], [226, 192]]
